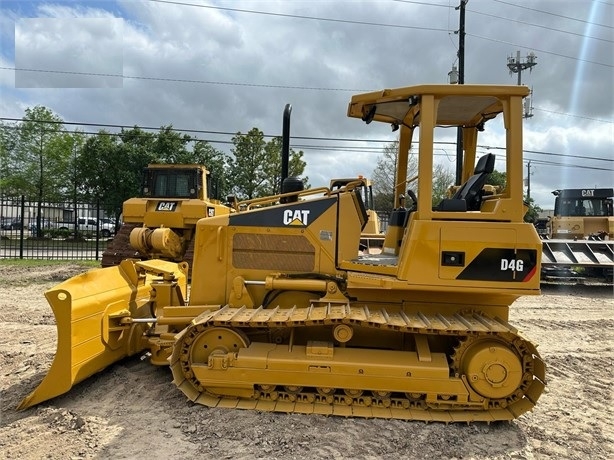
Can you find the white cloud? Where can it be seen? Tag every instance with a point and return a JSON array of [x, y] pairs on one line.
[[68, 52], [192, 48]]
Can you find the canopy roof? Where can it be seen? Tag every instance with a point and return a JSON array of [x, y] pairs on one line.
[[458, 105]]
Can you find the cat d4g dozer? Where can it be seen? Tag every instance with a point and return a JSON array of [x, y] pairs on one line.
[[285, 315]]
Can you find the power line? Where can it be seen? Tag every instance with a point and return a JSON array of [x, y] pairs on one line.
[[302, 88], [303, 146], [424, 3], [178, 80], [536, 152], [575, 116], [184, 130], [553, 14], [314, 18], [566, 165], [541, 26], [542, 51], [350, 149], [297, 16]]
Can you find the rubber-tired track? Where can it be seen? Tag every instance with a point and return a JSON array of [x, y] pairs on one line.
[[477, 335]]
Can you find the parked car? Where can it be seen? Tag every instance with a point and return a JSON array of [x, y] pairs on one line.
[[46, 225], [107, 222], [14, 224], [88, 226]]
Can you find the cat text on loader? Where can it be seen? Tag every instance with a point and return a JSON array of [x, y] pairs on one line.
[[284, 315], [161, 222]]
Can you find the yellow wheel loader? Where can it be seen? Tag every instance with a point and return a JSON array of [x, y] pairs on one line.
[[161, 222], [284, 314]]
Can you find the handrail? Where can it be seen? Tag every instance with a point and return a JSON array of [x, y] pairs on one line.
[[272, 199], [247, 205]]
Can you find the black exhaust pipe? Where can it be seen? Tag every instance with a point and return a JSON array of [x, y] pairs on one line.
[[285, 143], [288, 184]]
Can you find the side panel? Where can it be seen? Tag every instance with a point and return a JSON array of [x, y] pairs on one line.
[[471, 254], [299, 237], [210, 262]]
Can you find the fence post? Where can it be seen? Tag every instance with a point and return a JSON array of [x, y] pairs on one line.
[[23, 211], [97, 227]]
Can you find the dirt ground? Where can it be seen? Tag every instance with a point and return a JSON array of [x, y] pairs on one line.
[[133, 410]]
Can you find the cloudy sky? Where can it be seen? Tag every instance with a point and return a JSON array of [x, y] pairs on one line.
[[223, 67]]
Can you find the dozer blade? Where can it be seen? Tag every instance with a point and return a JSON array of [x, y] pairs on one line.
[[92, 313]]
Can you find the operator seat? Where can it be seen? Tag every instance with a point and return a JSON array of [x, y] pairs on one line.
[[469, 196]]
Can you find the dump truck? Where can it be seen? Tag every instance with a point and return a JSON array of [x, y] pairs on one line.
[[285, 315], [579, 243], [161, 222]]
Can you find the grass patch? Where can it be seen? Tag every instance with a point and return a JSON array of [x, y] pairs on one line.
[[26, 263], [25, 272]]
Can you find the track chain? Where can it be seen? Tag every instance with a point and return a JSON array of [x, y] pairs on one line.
[[468, 326]]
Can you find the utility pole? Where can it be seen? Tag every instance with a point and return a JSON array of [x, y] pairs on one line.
[[529, 181], [461, 81], [517, 65]]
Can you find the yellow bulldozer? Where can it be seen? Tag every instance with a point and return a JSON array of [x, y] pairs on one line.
[[285, 315], [579, 240], [161, 222]]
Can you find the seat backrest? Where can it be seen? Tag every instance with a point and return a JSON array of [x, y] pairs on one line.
[[471, 191]]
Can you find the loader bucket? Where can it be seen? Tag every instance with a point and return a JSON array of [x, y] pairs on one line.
[[91, 310]]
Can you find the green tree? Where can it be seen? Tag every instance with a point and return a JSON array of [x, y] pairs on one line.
[[111, 166], [139, 147], [497, 178], [36, 156], [94, 157], [296, 167], [67, 171], [8, 143], [169, 146], [384, 180], [248, 169], [533, 210], [216, 163], [443, 178], [99, 169]]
